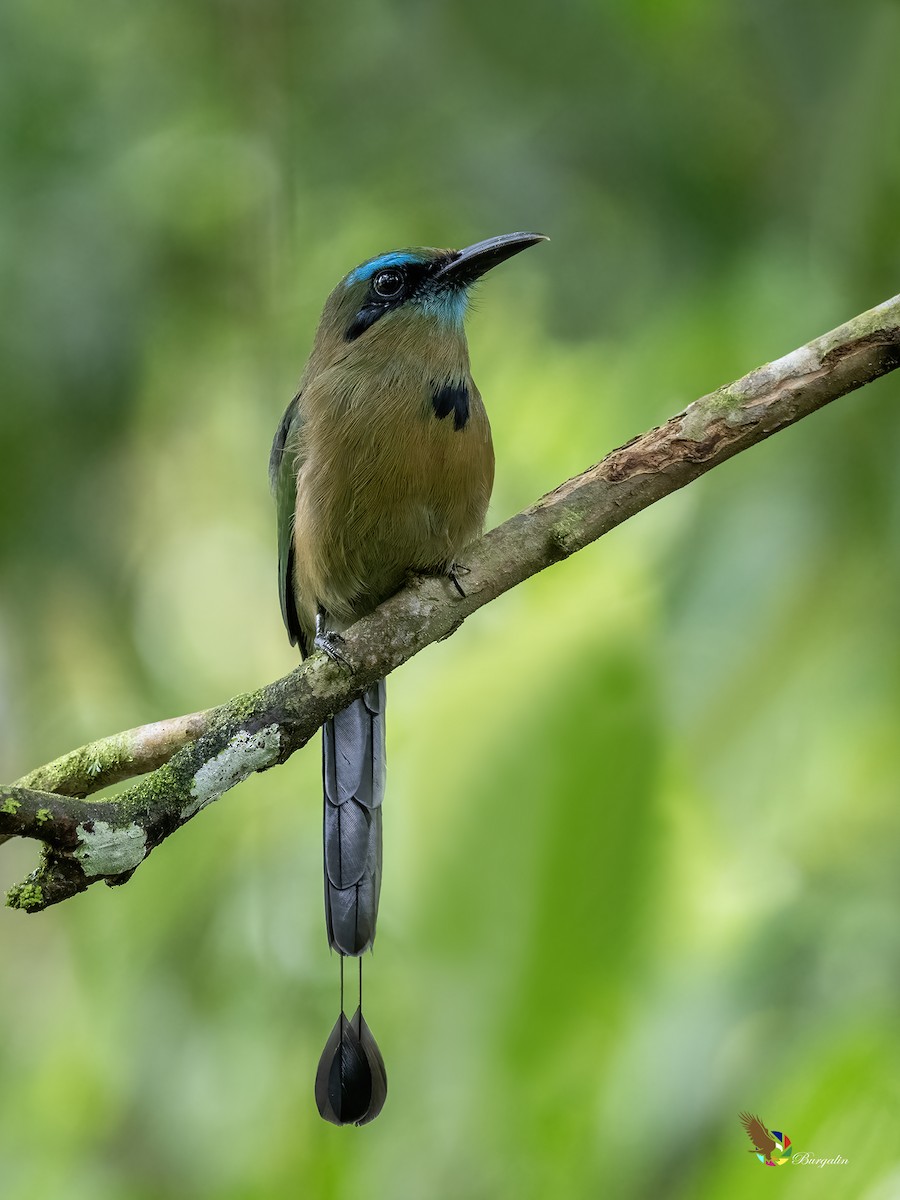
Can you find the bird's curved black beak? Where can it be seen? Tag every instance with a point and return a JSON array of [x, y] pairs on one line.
[[470, 264]]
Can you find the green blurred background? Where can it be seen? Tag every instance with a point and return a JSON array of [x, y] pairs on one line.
[[642, 834]]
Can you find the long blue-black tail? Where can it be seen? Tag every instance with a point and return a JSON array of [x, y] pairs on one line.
[[351, 1084], [353, 778]]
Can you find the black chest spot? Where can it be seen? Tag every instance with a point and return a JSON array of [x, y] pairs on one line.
[[447, 398]]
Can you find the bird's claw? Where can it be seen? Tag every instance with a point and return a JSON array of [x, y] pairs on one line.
[[330, 642], [457, 569]]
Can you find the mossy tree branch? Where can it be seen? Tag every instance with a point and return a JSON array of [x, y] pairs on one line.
[[110, 760], [195, 759]]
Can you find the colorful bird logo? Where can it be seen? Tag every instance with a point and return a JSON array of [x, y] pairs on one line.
[[772, 1149]]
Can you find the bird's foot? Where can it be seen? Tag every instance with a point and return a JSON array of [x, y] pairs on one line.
[[330, 642], [457, 569]]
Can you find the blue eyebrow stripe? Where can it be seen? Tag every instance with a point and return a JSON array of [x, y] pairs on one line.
[[396, 258]]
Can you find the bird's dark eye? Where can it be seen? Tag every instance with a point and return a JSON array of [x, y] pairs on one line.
[[388, 284]]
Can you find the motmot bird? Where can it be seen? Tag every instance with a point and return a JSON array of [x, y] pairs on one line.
[[382, 466]]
